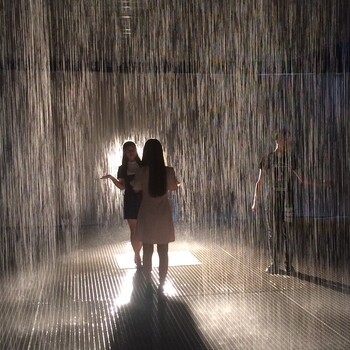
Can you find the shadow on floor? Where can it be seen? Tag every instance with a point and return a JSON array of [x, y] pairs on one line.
[[336, 286], [339, 287], [149, 323]]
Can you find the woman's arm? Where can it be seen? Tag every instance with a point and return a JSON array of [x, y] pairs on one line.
[[257, 190], [120, 183]]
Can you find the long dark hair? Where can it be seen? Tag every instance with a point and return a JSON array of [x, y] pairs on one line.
[[125, 158], [154, 159]]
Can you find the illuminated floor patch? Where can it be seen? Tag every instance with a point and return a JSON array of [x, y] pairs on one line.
[[176, 258]]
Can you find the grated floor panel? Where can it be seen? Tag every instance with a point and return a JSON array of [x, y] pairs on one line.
[[217, 298]]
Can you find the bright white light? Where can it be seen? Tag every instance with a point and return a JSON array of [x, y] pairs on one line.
[[114, 159], [126, 291], [176, 258], [126, 262], [115, 156], [182, 258], [169, 289]]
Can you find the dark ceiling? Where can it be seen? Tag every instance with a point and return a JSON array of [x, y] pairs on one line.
[[182, 35]]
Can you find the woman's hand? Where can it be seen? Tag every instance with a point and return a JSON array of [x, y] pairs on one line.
[[254, 205], [118, 182]]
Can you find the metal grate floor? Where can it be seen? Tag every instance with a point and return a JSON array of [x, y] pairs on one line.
[[217, 298]]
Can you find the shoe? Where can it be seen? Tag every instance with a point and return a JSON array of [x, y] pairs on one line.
[[272, 269], [290, 271]]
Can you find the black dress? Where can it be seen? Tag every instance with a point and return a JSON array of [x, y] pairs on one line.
[[132, 200]]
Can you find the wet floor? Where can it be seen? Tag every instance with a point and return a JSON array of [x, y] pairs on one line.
[[217, 297]]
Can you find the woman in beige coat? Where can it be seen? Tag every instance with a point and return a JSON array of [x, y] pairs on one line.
[[154, 222]]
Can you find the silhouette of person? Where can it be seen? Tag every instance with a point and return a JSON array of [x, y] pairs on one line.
[[132, 200], [155, 223], [278, 171]]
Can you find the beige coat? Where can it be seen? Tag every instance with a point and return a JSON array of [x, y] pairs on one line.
[[154, 221]]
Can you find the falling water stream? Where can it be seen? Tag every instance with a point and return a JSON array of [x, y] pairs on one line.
[[212, 80]]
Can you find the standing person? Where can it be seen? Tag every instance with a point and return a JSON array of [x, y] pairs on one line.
[[155, 223], [277, 171], [132, 200]]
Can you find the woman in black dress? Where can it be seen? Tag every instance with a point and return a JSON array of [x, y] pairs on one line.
[[132, 200]]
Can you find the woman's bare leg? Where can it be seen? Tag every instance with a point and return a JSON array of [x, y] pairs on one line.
[[136, 245], [163, 263], [147, 262]]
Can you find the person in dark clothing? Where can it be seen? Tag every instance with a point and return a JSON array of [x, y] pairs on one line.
[[132, 200], [279, 171]]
